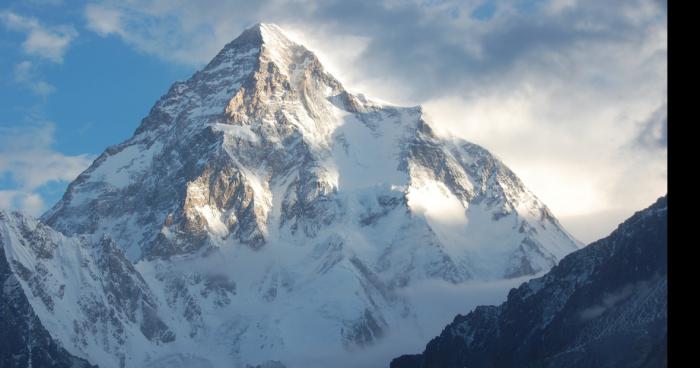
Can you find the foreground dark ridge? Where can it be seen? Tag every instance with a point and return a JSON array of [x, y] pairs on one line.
[[602, 306]]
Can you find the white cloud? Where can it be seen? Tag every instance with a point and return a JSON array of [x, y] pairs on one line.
[[26, 75], [558, 6], [162, 28], [49, 43], [27, 159], [583, 125], [341, 62], [104, 20], [27, 202]]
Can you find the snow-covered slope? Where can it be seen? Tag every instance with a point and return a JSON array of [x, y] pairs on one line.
[[24, 342], [259, 199], [86, 294]]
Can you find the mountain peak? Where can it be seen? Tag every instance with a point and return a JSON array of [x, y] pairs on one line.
[[261, 171], [265, 112], [271, 32], [268, 34], [263, 27], [272, 44], [257, 66]]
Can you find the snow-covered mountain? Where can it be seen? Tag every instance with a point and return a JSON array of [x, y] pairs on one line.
[[603, 306], [261, 209]]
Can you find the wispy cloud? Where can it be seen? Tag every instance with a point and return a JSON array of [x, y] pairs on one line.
[[105, 20], [612, 299], [28, 162], [157, 28], [27, 202], [654, 130], [26, 75], [47, 42]]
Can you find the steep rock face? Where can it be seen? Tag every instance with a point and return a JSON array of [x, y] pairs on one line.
[[24, 342], [87, 295], [260, 199], [602, 306]]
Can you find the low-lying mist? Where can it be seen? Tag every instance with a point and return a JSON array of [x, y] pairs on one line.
[[435, 303]]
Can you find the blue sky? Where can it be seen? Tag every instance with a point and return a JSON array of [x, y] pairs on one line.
[[87, 95], [570, 94]]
